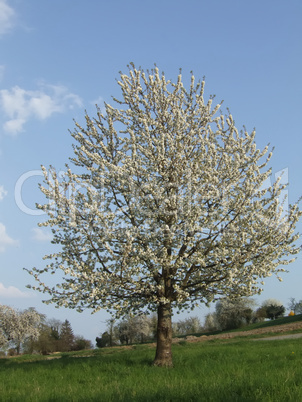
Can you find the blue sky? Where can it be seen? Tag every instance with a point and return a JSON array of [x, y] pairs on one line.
[[58, 58]]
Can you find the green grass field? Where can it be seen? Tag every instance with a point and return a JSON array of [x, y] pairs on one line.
[[229, 370]]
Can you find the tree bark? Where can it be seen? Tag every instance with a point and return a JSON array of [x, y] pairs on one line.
[[163, 357]]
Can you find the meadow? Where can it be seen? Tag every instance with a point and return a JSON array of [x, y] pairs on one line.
[[220, 370]]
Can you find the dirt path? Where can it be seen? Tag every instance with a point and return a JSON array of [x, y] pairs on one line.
[[273, 338], [273, 329]]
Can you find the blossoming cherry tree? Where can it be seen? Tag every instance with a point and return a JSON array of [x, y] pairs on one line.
[[164, 207]]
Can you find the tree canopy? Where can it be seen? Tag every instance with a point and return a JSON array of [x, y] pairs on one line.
[[164, 207], [17, 326], [233, 313]]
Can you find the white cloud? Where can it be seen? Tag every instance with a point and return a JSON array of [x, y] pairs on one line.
[[5, 240], [20, 105], [7, 17], [12, 291], [41, 235], [3, 193]]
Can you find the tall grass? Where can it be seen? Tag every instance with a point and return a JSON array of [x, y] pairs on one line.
[[211, 371]]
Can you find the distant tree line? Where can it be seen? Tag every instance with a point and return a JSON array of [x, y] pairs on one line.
[[30, 332], [229, 314], [142, 328], [235, 313], [56, 336]]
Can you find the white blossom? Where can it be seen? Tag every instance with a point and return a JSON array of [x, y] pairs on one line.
[[16, 326]]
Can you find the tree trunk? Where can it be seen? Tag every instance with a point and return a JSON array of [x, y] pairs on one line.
[[163, 355]]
